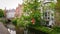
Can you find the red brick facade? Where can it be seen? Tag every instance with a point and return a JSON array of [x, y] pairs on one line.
[[18, 11]]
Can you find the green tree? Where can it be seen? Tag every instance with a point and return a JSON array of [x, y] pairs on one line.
[[1, 13], [1, 16], [30, 10]]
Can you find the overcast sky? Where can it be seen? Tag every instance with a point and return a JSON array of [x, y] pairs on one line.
[[9, 4]]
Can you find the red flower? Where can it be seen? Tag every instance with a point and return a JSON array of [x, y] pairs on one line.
[[33, 21]]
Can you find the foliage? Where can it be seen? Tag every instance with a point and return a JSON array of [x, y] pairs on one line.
[[58, 6], [2, 16], [14, 21], [1, 13], [30, 10], [50, 5], [54, 30], [3, 20], [31, 7]]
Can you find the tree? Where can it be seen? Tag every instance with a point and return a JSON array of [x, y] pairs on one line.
[[30, 11], [1, 13], [1, 16], [31, 14]]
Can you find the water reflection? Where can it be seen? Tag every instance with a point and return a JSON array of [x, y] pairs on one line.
[[11, 31]]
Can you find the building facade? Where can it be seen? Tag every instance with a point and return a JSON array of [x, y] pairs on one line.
[[57, 13], [47, 12], [12, 13], [19, 11], [9, 13]]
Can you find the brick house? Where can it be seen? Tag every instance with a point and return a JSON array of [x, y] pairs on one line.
[[19, 11], [12, 13]]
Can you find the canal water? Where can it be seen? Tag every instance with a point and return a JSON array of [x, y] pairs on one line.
[[14, 32], [11, 31]]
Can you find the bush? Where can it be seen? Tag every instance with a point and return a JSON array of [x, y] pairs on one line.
[[56, 28], [14, 21], [1, 13]]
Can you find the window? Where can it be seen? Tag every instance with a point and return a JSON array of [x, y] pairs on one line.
[[47, 22], [48, 18], [45, 13]]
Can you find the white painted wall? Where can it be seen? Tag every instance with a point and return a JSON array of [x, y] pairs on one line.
[[10, 13]]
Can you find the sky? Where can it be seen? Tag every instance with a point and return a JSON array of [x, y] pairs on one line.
[[9, 4]]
